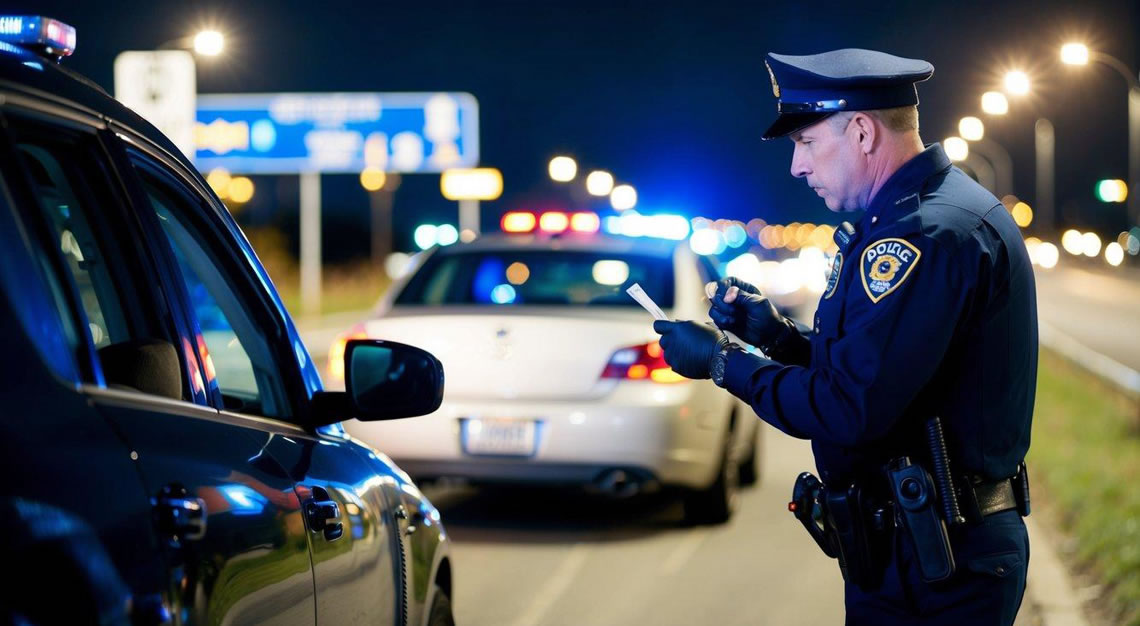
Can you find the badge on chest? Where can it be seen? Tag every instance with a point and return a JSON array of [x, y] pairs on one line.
[[886, 264]]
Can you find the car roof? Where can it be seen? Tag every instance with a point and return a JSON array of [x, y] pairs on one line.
[[24, 73], [663, 248]]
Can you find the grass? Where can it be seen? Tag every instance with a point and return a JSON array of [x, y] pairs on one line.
[[344, 288], [1086, 456], [351, 287]]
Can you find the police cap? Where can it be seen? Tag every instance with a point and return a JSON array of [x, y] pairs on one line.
[[811, 87]]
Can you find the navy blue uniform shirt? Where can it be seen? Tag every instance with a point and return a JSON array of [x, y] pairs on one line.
[[931, 310]]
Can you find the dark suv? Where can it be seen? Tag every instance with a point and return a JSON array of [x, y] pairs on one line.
[[168, 453]]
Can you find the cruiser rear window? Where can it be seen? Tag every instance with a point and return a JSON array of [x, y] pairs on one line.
[[539, 278]]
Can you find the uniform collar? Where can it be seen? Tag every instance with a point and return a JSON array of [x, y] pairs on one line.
[[906, 183]]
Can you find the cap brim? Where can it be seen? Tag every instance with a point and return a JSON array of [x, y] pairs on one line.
[[788, 123]]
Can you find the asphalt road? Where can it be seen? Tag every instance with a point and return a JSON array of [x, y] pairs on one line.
[[553, 557], [550, 557], [1097, 306]]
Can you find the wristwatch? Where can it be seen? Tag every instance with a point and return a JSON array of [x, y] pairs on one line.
[[778, 342], [719, 362]]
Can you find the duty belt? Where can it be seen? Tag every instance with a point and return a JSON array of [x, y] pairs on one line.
[[989, 497]]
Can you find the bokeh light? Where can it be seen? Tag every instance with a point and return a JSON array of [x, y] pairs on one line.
[[599, 183], [1090, 244], [995, 103], [517, 273], [971, 128], [563, 169], [1114, 254]]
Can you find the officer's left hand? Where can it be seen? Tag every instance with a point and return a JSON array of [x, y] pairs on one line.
[[689, 347]]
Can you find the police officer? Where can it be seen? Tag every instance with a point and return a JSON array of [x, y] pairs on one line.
[[929, 311]]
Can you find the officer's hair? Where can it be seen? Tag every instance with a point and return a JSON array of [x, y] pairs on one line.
[[898, 119]]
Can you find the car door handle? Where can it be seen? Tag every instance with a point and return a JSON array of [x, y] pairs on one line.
[[178, 516], [324, 517]]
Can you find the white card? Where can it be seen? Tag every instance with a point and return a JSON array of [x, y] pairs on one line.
[[637, 293]]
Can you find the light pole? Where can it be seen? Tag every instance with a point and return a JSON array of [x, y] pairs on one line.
[[973, 130], [1002, 163], [1079, 54], [995, 103], [1044, 146]]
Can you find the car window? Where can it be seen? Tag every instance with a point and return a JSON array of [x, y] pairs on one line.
[[239, 354], [58, 184], [538, 277], [68, 177]]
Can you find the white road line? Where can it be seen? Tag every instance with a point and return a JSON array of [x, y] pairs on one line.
[[684, 551], [555, 586]]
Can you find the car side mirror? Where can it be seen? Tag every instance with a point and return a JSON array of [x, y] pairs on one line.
[[388, 380], [383, 380]]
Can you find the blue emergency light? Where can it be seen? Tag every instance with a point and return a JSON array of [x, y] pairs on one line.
[[42, 35]]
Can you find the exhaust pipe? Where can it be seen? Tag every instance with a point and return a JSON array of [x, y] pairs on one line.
[[618, 483]]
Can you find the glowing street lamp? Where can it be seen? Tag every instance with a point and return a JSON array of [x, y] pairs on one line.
[[562, 169], [971, 129], [1075, 54], [600, 183], [995, 103], [956, 148], [209, 43], [623, 197], [1017, 82]]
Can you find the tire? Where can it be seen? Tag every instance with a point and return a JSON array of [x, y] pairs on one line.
[[716, 503], [750, 466], [441, 610]]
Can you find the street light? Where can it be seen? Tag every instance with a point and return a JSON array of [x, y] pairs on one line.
[[1075, 54], [623, 197], [956, 148], [1017, 82], [562, 169], [971, 128], [599, 183], [209, 43], [995, 103]]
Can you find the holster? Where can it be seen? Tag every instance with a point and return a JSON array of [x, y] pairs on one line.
[[847, 525]]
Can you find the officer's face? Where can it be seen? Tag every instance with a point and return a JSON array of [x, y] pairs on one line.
[[829, 156]]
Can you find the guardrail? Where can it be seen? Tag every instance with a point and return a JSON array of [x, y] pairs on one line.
[[1116, 374]]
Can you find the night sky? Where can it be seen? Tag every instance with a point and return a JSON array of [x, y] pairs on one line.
[[670, 97]]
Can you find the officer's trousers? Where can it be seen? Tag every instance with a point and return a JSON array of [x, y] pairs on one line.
[[992, 559]]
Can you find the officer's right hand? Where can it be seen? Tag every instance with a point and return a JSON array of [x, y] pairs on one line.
[[743, 310]]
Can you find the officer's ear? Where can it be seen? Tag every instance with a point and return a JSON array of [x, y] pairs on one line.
[[865, 131]]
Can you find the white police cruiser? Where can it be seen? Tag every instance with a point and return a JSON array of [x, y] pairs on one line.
[[554, 373]]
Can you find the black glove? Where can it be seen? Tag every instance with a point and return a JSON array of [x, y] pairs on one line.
[[751, 316], [689, 347]]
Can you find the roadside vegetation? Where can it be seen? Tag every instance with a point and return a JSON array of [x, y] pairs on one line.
[[1085, 457]]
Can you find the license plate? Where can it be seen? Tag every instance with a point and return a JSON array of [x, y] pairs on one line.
[[503, 437]]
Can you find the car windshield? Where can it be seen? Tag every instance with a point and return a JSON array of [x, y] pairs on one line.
[[538, 277]]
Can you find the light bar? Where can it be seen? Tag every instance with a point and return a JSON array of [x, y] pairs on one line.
[[37, 32], [585, 222], [553, 222], [518, 222]]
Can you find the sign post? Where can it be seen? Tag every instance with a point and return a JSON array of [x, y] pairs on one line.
[[161, 87]]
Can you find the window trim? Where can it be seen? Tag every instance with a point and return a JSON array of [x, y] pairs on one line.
[[234, 267], [126, 271]]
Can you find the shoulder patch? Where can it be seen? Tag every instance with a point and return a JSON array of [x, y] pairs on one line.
[[833, 279], [886, 264]]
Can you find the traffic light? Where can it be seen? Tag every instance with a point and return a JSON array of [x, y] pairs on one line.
[[1112, 190]]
